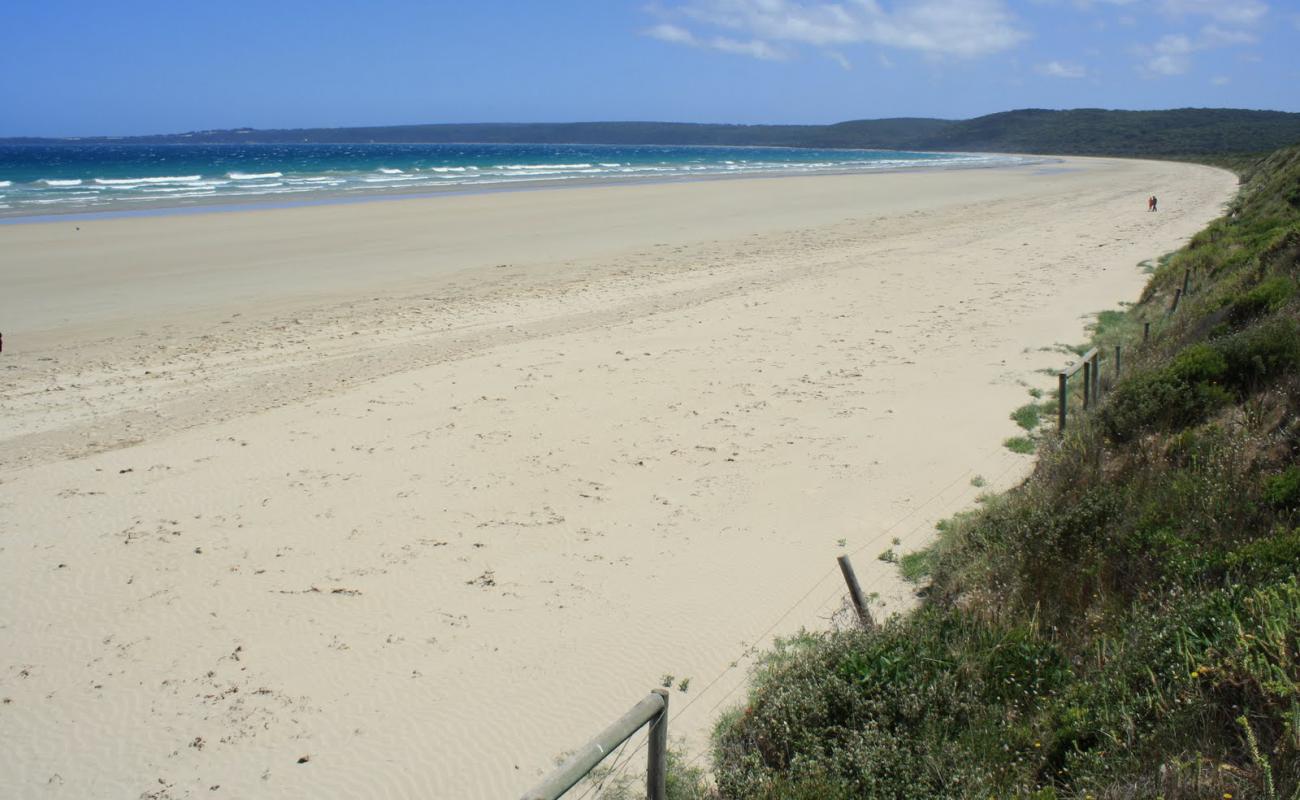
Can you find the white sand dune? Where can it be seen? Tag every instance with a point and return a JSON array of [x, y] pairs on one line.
[[429, 491]]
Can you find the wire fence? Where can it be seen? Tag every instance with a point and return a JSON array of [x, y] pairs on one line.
[[617, 774]]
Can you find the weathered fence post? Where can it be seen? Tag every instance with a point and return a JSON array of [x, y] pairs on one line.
[[652, 711], [656, 774], [1096, 375], [1146, 331], [1062, 387], [855, 593], [1178, 294], [1187, 278], [1087, 384]]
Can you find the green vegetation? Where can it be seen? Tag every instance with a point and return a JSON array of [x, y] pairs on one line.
[[1020, 444], [1026, 416], [1124, 624], [915, 567], [1203, 134]]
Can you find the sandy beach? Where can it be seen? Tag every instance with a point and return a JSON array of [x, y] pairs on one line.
[[406, 498]]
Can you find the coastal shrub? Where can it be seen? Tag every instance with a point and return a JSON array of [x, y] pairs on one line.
[[1171, 398], [1268, 296], [1261, 352], [1283, 490]]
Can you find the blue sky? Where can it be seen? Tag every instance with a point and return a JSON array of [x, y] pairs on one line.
[[74, 67]]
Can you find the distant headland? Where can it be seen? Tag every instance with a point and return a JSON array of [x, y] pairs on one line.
[[1085, 131]]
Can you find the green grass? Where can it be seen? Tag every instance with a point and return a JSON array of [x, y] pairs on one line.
[[915, 567], [1126, 622], [1020, 444], [1026, 416]]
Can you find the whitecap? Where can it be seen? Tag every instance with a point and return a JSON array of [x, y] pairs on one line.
[[157, 189], [51, 182], [253, 176], [130, 181], [3, 184], [543, 166], [388, 171]]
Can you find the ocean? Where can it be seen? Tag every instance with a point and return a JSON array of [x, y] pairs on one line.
[[56, 179]]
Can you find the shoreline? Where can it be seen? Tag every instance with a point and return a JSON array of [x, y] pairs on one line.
[[347, 197], [433, 497]]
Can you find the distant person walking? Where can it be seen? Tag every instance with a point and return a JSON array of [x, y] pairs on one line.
[[1151, 203]]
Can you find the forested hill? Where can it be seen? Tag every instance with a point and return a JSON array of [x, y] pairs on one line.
[[1186, 131]]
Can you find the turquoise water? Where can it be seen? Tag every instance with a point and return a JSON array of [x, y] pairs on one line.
[[79, 178]]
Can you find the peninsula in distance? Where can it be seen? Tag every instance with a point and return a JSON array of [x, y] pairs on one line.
[[1084, 131]]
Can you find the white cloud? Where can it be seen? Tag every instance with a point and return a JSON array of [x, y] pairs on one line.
[[1214, 36], [1170, 56], [838, 58], [957, 28], [1058, 69], [753, 48], [1232, 12], [672, 33]]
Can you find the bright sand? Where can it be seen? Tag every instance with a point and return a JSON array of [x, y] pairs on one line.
[[430, 491]]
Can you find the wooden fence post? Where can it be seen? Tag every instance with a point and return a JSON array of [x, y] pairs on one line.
[[653, 711], [855, 593], [1087, 384], [1146, 331], [656, 773], [1187, 278], [1178, 294], [1062, 387], [1096, 376]]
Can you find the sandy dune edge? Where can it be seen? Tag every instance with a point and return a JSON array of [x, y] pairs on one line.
[[430, 520]]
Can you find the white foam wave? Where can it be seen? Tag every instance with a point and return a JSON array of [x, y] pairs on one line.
[[3, 184], [602, 164], [51, 182], [448, 169], [543, 166], [140, 181], [388, 171], [253, 176], [181, 189]]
